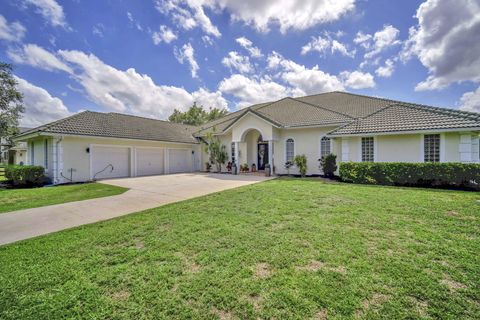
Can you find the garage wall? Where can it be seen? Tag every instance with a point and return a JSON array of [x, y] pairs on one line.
[[76, 157]]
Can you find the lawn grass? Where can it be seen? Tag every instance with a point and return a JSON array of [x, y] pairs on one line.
[[286, 248], [16, 199]]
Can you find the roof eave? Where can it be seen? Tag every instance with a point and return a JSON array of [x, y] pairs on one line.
[[383, 133]]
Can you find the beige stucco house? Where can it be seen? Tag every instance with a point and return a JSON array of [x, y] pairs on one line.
[[93, 145]]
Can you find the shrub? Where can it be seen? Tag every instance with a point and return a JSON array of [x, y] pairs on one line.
[[328, 164], [288, 165], [26, 175], [412, 174], [301, 163]]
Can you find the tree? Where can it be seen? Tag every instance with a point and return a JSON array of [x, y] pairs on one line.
[[196, 115], [11, 103], [301, 163], [217, 151]]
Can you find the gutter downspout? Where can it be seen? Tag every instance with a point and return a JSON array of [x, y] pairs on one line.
[[58, 155]]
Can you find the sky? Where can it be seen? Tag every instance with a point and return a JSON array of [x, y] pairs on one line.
[[151, 56]]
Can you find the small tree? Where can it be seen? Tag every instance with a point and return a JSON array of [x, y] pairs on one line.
[[217, 151], [328, 165], [11, 103], [288, 165], [301, 163]]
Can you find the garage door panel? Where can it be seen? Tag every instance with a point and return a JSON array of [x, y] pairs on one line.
[[150, 161], [110, 162], [179, 160]]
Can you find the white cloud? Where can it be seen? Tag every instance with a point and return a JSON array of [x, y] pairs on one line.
[[386, 71], [250, 91], [357, 79], [164, 35], [383, 39], [248, 45], [50, 10], [235, 61], [123, 91], [134, 22], [14, 31], [37, 57], [40, 106], [447, 42], [303, 80], [187, 53], [261, 15], [363, 39], [189, 14], [98, 29], [326, 44], [470, 101]]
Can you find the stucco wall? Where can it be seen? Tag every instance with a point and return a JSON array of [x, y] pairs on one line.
[[76, 157], [36, 156], [249, 122], [394, 148]]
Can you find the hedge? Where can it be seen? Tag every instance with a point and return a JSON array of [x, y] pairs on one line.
[[26, 175], [462, 175]]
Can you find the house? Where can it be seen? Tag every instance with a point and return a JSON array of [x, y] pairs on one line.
[[92, 145], [16, 154]]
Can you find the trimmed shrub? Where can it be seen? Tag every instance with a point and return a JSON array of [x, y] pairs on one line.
[[301, 163], [328, 165], [463, 175], [26, 175]]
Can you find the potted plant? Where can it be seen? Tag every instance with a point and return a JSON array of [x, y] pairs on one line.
[[208, 166], [288, 165]]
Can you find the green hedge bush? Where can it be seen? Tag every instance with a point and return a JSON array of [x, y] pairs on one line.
[[26, 175], [463, 175]]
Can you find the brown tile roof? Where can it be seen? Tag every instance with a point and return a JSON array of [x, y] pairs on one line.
[[355, 113], [409, 117], [116, 125]]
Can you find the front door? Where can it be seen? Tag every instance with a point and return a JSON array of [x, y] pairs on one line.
[[262, 155]]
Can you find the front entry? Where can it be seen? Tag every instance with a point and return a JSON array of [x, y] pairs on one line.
[[262, 155]]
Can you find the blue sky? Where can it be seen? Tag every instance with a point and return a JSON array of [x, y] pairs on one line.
[[148, 57]]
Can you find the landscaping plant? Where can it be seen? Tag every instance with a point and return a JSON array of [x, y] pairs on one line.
[[301, 163], [26, 175], [328, 165], [288, 165], [216, 150]]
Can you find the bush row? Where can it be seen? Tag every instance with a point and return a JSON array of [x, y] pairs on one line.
[[26, 175], [463, 175]]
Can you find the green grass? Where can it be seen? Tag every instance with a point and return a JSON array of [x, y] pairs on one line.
[[16, 199], [286, 248]]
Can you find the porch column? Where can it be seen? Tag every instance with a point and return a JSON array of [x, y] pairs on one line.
[[345, 150], [270, 154], [237, 161]]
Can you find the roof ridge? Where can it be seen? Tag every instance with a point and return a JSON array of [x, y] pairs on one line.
[[320, 107], [234, 118], [474, 115], [135, 116]]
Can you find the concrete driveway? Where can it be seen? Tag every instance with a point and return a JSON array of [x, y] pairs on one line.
[[144, 193]]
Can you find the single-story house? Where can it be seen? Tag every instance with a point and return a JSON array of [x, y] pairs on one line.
[[92, 145], [13, 154]]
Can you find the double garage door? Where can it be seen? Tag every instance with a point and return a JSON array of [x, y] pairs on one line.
[[115, 162]]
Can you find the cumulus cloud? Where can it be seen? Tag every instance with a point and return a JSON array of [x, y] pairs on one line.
[[40, 106], [251, 91], [386, 70], [235, 61], [357, 79], [248, 45], [261, 15], [50, 10], [470, 101], [164, 35], [186, 53], [380, 41], [122, 91], [447, 42], [14, 31], [326, 44], [38, 57]]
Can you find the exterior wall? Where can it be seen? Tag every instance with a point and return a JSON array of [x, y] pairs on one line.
[[20, 157], [248, 122], [394, 148]]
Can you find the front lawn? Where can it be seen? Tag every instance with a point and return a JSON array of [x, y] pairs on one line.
[[286, 248], [16, 199]]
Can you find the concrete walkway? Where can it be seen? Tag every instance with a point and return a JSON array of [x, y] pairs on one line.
[[144, 193]]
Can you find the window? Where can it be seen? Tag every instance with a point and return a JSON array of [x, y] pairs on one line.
[[431, 148], [33, 153], [233, 152], [46, 154], [325, 147], [368, 149], [289, 150]]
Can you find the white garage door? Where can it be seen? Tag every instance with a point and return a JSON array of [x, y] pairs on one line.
[[110, 162], [179, 160], [150, 161]]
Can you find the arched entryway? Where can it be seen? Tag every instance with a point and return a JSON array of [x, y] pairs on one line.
[[254, 150]]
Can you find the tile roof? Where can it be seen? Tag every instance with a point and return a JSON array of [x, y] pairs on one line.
[[116, 125], [409, 117], [355, 114]]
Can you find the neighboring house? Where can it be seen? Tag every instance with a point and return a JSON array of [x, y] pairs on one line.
[[354, 127], [16, 154]]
